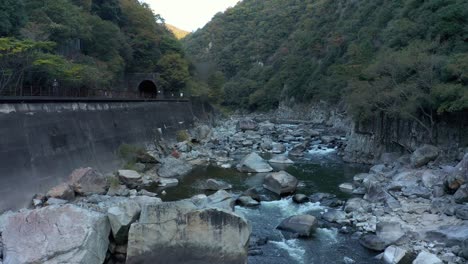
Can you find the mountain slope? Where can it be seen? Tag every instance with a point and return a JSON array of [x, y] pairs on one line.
[[400, 57], [178, 33]]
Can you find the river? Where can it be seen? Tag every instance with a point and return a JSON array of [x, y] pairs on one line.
[[320, 170]]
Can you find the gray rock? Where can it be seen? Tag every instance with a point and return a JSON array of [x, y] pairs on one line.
[[168, 182], [87, 181], [424, 155], [461, 195], [417, 191], [281, 159], [278, 148], [346, 187], [449, 235], [355, 205], [247, 201], [298, 150], [280, 183], [389, 158], [372, 242], [216, 185], [221, 199], [464, 249], [427, 258], [172, 168], [347, 260], [193, 236], [359, 178], [300, 198], [431, 178], [202, 132], [118, 190], [66, 234], [130, 178], [55, 201], [302, 225], [438, 191], [334, 216], [121, 217], [405, 179], [393, 255], [459, 175], [146, 200], [462, 212], [389, 232], [252, 193], [375, 193], [63, 191], [247, 124], [253, 163], [380, 169]]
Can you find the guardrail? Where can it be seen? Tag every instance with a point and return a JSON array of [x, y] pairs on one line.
[[50, 99]]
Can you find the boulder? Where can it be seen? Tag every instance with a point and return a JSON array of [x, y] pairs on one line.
[[168, 182], [216, 185], [66, 234], [172, 168], [278, 148], [280, 183], [281, 159], [346, 187], [462, 212], [389, 232], [423, 155], [431, 178], [356, 204], [252, 193], [427, 258], [334, 216], [56, 201], [298, 150], [253, 163], [221, 199], [247, 201], [118, 190], [175, 235], [449, 235], [461, 195], [417, 191], [459, 175], [63, 191], [247, 124], [393, 255], [87, 181], [121, 217], [130, 178], [202, 132], [300, 198], [372, 242], [389, 158], [302, 225]]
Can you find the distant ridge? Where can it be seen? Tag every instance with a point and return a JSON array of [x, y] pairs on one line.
[[179, 33]]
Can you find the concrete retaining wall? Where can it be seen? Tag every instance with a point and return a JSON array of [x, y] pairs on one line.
[[40, 144]]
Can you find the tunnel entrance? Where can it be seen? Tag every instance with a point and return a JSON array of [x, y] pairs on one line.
[[148, 89]]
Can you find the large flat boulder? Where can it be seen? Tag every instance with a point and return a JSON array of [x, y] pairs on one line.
[[173, 168], [54, 234], [253, 163], [87, 181], [280, 183], [178, 234]]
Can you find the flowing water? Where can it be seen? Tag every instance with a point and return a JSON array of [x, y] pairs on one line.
[[319, 171]]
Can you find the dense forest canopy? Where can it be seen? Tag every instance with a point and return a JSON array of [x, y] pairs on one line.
[[405, 58], [90, 43]]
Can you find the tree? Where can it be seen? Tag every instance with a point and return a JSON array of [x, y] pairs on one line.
[[174, 72], [12, 16]]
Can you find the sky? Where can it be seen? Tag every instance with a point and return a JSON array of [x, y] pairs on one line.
[[189, 15]]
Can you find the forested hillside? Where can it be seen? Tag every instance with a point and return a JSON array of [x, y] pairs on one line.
[[178, 33], [89, 43], [405, 58]]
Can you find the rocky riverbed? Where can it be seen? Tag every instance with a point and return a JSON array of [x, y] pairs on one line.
[[406, 209]]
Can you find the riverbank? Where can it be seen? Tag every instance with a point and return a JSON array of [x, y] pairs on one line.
[[411, 204]]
